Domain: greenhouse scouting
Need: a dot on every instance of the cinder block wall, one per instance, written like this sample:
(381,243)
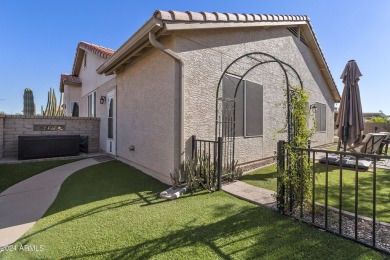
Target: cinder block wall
(14,126)
(380,127)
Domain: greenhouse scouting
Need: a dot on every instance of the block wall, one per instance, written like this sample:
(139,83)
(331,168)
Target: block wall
(12,126)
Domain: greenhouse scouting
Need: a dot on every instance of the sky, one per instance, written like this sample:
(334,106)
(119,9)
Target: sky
(38,38)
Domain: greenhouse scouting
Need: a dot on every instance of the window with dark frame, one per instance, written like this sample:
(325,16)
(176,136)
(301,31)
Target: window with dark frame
(110,118)
(248,110)
(74,109)
(320,117)
(85,59)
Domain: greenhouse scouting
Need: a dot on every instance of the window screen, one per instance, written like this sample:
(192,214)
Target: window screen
(320,117)
(253,109)
(229,87)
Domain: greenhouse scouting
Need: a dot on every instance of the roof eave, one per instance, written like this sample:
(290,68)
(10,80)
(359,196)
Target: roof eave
(319,56)
(78,59)
(139,39)
(108,67)
(69,83)
(154,24)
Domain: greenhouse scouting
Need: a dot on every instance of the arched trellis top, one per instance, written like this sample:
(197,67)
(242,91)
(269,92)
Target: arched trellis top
(257,59)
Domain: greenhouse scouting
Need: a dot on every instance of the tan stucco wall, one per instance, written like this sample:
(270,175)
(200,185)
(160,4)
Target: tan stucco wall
(148,95)
(91,80)
(102,110)
(89,77)
(206,53)
(147,113)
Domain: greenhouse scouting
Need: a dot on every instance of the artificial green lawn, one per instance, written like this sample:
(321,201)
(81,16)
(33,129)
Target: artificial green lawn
(111,211)
(11,174)
(266,178)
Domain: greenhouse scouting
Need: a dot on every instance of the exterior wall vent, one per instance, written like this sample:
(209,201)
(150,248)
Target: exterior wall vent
(294,30)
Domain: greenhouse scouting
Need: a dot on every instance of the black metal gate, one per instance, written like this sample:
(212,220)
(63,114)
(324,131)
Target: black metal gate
(207,155)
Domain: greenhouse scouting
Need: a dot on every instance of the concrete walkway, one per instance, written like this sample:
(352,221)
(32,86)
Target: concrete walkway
(25,203)
(252,194)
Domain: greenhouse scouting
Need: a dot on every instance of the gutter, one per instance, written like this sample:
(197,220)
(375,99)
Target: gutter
(156,44)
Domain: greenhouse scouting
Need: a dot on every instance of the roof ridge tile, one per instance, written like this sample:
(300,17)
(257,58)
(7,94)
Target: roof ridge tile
(209,16)
(221,17)
(191,16)
(195,16)
(231,17)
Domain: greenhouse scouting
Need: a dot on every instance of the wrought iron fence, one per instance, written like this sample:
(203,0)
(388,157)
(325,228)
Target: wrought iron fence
(346,199)
(208,157)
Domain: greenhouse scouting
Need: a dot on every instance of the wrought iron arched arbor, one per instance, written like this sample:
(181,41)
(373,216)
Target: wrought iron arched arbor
(225,120)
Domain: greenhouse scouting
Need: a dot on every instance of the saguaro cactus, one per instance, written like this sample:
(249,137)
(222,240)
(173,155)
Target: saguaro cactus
(28,103)
(51,107)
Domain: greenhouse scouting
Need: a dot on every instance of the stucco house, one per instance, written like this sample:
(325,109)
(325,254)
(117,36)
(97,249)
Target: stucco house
(83,88)
(162,85)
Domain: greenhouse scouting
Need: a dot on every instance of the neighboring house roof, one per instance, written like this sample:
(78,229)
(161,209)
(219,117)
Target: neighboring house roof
(100,51)
(73,79)
(162,22)
(69,80)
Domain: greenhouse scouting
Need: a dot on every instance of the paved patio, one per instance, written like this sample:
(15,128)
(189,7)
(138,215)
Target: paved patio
(252,194)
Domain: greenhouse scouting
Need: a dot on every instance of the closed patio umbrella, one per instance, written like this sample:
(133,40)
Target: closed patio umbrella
(350,121)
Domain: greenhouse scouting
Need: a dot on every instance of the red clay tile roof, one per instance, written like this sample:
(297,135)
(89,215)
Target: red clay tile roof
(208,19)
(101,51)
(69,80)
(223,17)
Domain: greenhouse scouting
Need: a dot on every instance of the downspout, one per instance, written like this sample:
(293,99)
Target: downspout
(156,44)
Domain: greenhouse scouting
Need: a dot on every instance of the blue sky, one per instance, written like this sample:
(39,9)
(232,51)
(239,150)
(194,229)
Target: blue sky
(39,38)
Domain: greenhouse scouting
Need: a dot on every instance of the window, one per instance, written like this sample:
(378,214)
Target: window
(74,108)
(249,106)
(85,59)
(92,105)
(320,117)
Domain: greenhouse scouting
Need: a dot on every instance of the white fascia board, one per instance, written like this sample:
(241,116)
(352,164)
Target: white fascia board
(206,25)
(316,49)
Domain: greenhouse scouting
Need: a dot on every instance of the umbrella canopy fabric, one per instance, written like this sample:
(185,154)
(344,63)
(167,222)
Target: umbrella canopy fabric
(350,121)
